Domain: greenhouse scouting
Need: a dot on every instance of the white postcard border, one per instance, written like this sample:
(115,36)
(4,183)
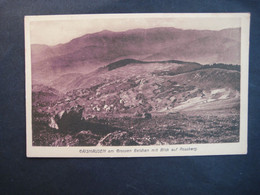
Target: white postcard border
(142,151)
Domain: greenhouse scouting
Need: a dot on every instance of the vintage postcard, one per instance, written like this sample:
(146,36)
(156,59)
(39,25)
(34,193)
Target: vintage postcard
(136,85)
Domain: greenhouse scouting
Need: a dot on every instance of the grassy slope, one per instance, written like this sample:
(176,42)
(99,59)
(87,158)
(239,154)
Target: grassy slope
(205,103)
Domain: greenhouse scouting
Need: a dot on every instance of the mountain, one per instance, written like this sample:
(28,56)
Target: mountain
(91,51)
(133,102)
(120,69)
(132,86)
(138,87)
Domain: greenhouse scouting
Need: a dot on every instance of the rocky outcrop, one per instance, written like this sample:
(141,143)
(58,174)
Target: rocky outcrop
(53,123)
(87,138)
(69,121)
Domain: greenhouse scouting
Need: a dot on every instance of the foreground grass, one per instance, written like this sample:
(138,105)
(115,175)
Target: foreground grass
(167,129)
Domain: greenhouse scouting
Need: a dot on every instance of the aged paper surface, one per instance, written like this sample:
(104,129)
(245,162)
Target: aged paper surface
(136,85)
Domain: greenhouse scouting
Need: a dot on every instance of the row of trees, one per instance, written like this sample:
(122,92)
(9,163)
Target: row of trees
(222,66)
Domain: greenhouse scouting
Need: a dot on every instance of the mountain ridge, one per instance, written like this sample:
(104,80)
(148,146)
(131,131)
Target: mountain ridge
(91,51)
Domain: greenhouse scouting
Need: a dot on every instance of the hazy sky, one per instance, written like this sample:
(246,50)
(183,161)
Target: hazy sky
(52,31)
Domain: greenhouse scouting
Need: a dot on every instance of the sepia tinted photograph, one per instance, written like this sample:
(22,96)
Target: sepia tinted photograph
(121,85)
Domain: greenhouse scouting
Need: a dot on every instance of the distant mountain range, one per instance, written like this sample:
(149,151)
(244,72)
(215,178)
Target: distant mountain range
(92,51)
